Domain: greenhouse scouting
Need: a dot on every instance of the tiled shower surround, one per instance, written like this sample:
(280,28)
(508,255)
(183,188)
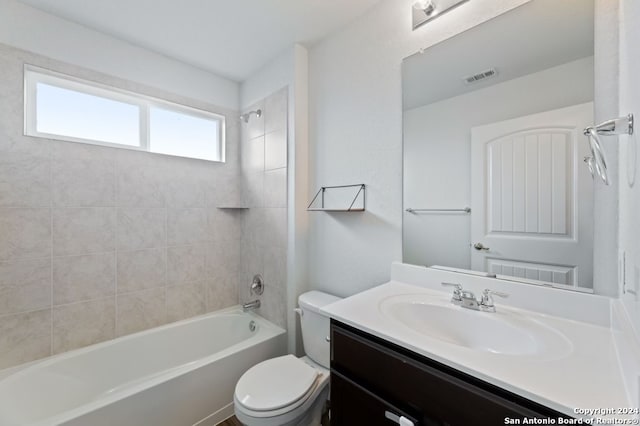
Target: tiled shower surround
(99,242)
(264,176)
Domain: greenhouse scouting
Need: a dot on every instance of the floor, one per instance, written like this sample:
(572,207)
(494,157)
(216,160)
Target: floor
(231,421)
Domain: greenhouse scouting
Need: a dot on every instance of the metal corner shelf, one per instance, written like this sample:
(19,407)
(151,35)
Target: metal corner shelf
(362,189)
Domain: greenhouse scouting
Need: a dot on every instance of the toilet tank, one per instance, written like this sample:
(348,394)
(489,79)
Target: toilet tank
(315,325)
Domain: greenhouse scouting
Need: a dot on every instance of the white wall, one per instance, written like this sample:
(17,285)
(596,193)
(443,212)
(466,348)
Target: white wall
(606,206)
(356,136)
(437,150)
(273,76)
(629,157)
(39,32)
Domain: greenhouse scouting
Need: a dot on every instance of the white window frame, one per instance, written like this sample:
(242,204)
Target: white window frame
(34,75)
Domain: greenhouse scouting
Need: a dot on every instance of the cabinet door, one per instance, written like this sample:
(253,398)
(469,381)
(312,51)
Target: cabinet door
(353,405)
(434,393)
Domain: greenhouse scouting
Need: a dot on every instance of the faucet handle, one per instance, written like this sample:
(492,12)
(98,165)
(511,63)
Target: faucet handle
(457,286)
(489,292)
(487,300)
(457,291)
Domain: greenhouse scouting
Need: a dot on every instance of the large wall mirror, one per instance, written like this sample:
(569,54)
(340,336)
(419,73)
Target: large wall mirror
(494,178)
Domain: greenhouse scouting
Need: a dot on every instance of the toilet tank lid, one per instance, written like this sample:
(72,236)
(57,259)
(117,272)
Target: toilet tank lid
(314,300)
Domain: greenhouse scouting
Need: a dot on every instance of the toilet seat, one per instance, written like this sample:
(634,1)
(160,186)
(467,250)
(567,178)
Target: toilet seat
(296,381)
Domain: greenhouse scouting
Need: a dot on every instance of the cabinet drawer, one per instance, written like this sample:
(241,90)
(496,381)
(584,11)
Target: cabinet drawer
(441,394)
(371,409)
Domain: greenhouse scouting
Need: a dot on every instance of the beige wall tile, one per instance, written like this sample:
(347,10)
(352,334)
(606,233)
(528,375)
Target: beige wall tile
(275,111)
(273,306)
(140,179)
(252,248)
(83,175)
(255,126)
(275,220)
(275,267)
(12,95)
(222,291)
(78,278)
(82,324)
(275,150)
(25,285)
(24,337)
(26,233)
(224,187)
(186,182)
(224,225)
(253,189)
(232,143)
(83,230)
(186,264)
(141,228)
(25,180)
(186,301)
(252,155)
(141,310)
(186,226)
(138,270)
(275,188)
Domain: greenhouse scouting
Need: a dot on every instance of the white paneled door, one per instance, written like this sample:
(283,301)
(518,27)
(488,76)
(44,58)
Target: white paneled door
(532,197)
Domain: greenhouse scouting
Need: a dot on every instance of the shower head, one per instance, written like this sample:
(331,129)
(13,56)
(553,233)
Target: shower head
(245,117)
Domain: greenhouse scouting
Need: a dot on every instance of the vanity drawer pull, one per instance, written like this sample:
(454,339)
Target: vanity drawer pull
(401,420)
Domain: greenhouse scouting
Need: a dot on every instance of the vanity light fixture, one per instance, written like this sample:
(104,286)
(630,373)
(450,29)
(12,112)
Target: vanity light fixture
(425,10)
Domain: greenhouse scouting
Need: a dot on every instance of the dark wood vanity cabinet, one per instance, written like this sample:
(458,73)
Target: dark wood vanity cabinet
(373,379)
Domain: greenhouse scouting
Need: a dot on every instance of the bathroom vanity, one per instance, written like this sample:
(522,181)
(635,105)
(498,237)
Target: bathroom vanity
(374,381)
(403,353)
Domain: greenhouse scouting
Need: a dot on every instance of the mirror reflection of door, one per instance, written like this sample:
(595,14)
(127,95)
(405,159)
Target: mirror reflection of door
(532,199)
(482,104)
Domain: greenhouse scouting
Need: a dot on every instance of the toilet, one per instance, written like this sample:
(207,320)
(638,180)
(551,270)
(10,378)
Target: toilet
(288,390)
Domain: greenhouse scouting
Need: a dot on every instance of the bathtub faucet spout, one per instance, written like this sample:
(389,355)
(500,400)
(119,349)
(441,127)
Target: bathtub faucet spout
(250,306)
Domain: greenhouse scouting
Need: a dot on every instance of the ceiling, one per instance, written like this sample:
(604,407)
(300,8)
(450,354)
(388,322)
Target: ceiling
(231,38)
(541,34)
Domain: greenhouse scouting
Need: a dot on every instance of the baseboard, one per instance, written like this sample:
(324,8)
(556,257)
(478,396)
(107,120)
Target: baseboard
(219,416)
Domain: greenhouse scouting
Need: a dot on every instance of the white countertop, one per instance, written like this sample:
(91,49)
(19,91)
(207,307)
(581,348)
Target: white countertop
(588,377)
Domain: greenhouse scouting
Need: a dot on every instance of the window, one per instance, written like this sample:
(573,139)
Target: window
(66,108)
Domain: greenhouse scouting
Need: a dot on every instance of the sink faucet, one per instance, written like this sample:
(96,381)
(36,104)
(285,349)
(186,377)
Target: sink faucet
(250,306)
(486,303)
(468,300)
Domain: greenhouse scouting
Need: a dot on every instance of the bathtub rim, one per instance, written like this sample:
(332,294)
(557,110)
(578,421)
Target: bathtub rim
(267,330)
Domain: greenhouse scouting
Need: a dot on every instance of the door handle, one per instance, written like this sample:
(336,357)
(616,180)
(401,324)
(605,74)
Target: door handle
(401,420)
(480,246)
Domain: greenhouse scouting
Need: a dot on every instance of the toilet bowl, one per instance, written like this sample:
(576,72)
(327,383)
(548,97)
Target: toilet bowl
(288,390)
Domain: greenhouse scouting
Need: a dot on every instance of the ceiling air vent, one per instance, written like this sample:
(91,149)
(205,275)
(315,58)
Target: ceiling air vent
(481,76)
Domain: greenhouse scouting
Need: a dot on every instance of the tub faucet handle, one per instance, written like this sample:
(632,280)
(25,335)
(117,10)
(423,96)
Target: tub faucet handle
(257,285)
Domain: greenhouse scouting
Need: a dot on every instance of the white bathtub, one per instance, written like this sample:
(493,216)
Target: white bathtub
(180,374)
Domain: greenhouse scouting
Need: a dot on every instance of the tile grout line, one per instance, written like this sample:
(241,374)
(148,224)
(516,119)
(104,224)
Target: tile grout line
(51,260)
(166,252)
(116,245)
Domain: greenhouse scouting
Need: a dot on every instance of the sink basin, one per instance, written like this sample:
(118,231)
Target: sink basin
(505,332)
